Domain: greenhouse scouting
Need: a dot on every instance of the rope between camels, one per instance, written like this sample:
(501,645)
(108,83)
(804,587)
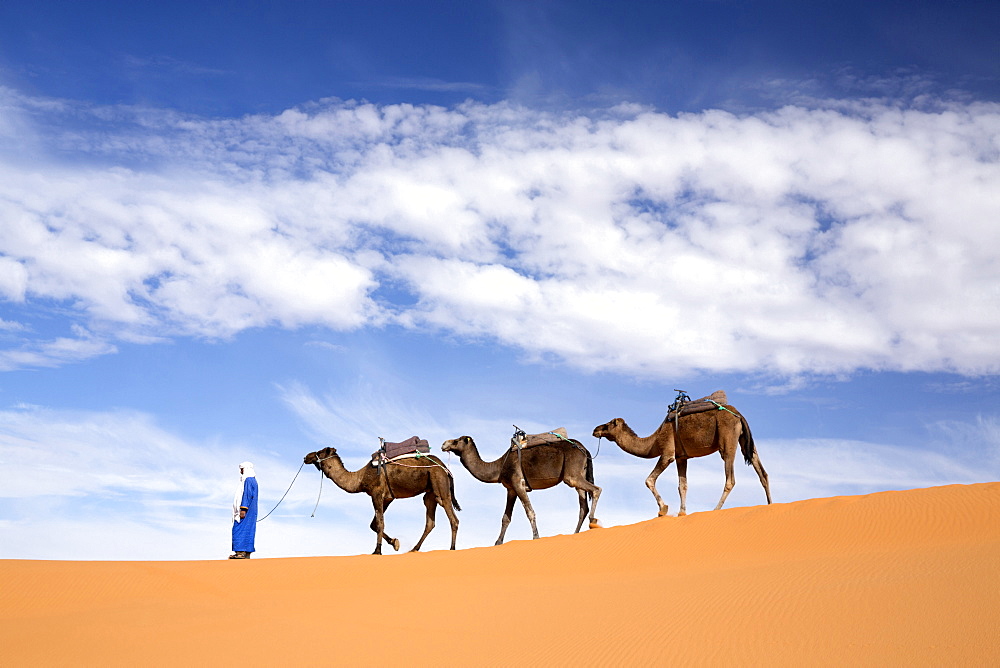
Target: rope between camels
(575,444)
(285,494)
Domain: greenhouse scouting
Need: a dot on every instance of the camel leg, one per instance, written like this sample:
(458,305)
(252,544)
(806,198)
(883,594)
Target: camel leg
(661,465)
(378,526)
(582,488)
(730,476)
(389,540)
(682,485)
(594,522)
(430,503)
(522,494)
(762,474)
(449,510)
(508,511)
(444,491)
(583,508)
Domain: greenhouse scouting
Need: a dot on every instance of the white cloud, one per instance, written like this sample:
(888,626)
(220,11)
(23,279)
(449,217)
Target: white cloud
(431,84)
(63,350)
(53,453)
(798,240)
(13,279)
(353,420)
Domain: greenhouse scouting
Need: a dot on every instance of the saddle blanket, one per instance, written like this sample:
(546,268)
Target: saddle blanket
(412,444)
(553,436)
(709,403)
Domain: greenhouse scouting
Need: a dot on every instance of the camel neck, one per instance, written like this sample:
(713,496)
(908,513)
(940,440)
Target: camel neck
(334,469)
(481,470)
(646,446)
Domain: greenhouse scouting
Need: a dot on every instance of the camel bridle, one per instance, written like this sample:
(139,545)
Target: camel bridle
(321,476)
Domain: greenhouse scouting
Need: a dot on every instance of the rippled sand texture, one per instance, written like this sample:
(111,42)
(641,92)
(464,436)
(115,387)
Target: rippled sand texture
(896,578)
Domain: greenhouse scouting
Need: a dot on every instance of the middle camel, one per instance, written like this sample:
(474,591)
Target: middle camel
(543,466)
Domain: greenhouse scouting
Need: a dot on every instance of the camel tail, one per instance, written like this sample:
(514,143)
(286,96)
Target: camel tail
(454,499)
(746,441)
(590,473)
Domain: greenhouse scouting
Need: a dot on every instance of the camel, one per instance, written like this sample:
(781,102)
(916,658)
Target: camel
(541,467)
(696,435)
(395,480)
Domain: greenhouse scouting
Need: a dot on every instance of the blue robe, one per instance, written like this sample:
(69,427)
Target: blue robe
(246,528)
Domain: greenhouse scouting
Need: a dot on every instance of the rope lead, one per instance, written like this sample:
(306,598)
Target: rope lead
(285,494)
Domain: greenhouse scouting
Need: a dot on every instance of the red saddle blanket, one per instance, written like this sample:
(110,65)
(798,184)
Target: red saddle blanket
(412,444)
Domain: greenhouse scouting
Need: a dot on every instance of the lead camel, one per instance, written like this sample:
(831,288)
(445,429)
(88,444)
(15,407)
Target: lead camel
(724,431)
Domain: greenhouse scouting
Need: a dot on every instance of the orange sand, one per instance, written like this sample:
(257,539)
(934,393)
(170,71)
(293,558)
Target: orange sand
(896,578)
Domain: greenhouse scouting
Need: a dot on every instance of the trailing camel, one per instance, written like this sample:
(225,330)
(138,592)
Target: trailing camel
(695,435)
(395,480)
(543,466)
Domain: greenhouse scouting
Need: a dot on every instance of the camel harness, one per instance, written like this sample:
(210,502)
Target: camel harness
(519,441)
(413,447)
(684,405)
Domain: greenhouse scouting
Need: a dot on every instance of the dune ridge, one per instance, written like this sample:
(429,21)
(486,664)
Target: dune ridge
(891,578)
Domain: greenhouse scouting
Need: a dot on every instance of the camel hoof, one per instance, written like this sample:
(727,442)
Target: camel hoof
(662,513)
(596,524)
(395,544)
(682,513)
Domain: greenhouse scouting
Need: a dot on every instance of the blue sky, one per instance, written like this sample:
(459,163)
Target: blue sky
(234,232)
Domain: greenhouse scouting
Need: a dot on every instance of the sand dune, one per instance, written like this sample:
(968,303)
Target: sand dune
(895,578)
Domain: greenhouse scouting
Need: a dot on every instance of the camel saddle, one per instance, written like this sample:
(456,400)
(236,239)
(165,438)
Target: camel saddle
(684,406)
(553,436)
(409,446)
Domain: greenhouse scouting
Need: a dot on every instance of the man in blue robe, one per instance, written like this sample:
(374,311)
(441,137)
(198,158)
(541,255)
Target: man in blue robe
(245,513)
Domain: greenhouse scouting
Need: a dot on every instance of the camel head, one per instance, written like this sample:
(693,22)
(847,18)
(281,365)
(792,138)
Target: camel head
(317,457)
(610,430)
(458,445)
